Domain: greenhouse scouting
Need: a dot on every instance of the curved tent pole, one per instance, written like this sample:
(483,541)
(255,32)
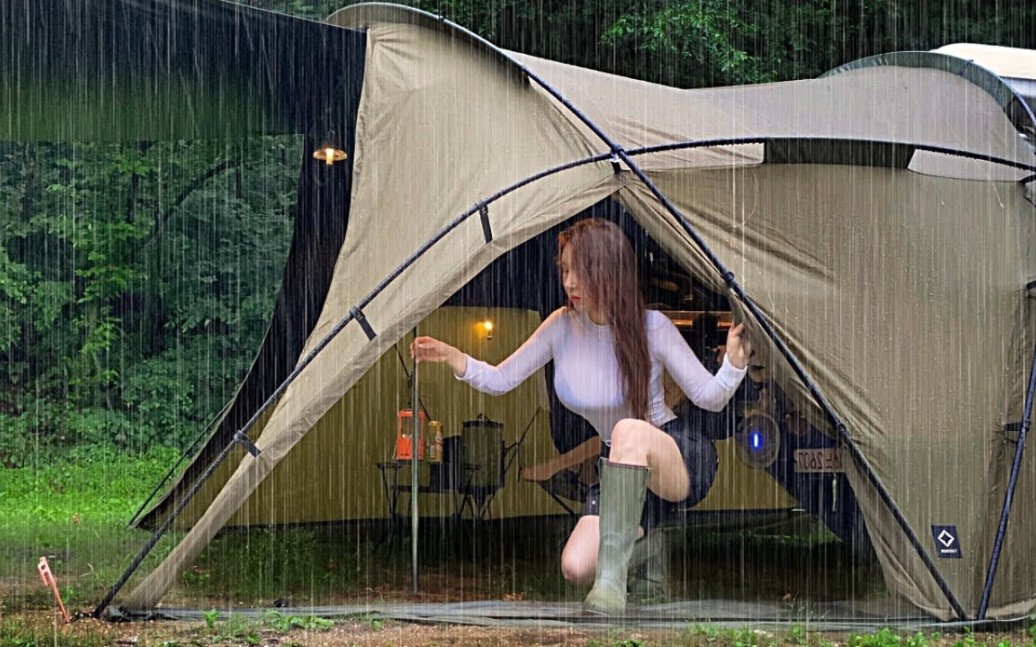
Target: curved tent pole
(1012,482)
(356,313)
(728,277)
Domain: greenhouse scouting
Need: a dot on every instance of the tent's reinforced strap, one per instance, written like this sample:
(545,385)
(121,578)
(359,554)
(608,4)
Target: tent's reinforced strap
(614,159)
(241,439)
(483,214)
(357,314)
(767,328)
(1012,482)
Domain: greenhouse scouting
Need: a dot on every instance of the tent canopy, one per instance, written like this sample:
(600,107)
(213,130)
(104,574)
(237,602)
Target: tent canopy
(878,242)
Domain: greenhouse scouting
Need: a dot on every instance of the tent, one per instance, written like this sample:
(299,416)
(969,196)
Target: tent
(878,242)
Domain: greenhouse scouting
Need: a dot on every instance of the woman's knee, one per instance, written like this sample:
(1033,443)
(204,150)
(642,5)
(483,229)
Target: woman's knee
(577,568)
(627,438)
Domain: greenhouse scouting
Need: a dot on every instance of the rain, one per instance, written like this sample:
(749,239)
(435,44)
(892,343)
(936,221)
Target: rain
(517,323)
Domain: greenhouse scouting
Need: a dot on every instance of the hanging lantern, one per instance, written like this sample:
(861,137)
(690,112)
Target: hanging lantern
(328,151)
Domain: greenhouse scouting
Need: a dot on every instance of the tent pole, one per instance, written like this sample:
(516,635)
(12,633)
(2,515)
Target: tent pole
(1012,482)
(415,442)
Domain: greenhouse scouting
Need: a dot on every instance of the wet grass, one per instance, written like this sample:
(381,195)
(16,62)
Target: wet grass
(74,512)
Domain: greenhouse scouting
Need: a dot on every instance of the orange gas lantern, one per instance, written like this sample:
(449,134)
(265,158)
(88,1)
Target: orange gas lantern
(405,435)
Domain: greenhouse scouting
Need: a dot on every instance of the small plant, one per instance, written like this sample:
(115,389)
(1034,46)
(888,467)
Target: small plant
(211,617)
(709,632)
(376,623)
(798,635)
(236,630)
(284,623)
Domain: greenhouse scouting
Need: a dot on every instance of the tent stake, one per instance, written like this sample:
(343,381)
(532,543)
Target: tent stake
(1005,511)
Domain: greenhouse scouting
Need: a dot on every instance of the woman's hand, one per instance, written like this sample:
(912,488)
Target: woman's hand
(739,347)
(429,349)
(538,472)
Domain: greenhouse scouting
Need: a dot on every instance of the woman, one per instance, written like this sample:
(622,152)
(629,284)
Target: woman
(609,353)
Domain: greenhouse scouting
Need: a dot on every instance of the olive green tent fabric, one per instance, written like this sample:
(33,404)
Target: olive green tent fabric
(898,284)
(888,301)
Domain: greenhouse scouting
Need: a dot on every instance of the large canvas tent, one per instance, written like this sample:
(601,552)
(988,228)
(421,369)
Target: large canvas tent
(875,228)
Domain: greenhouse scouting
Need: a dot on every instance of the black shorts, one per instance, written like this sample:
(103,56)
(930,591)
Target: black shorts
(699,456)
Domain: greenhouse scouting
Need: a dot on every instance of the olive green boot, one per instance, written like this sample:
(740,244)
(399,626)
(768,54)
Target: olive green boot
(622,501)
(649,569)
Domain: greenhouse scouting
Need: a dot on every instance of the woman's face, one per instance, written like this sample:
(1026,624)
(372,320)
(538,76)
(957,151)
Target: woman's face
(575,289)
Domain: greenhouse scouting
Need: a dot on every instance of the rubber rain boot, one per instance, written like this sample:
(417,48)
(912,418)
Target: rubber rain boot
(622,501)
(649,569)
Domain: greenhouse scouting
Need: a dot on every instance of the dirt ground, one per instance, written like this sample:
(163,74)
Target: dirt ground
(46,628)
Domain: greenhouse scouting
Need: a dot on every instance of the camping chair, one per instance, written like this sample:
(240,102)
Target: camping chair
(477,491)
(569,476)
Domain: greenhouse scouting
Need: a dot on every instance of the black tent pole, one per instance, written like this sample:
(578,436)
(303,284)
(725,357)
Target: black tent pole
(728,277)
(1012,482)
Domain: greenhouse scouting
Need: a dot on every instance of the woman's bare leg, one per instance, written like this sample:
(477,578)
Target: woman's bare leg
(579,557)
(635,442)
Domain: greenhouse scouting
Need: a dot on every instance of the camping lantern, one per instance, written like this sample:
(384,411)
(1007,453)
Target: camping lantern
(328,152)
(405,433)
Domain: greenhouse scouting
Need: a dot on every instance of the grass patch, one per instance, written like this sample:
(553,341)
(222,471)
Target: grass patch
(74,511)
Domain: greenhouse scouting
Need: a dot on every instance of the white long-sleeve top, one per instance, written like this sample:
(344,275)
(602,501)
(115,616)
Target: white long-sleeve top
(586,372)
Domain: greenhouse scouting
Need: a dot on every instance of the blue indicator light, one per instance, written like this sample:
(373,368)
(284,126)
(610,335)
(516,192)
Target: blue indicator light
(755,440)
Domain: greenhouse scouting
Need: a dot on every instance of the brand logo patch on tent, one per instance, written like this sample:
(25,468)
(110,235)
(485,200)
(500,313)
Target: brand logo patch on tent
(946,542)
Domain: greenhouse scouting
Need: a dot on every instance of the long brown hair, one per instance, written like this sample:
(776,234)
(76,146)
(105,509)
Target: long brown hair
(607,270)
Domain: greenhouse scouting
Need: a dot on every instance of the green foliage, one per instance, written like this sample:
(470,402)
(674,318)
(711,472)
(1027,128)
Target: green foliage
(284,623)
(134,279)
(890,638)
(236,629)
(90,484)
(211,618)
(710,32)
(16,634)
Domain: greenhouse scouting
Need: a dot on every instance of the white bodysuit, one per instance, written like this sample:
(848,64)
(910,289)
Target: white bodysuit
(586,372)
